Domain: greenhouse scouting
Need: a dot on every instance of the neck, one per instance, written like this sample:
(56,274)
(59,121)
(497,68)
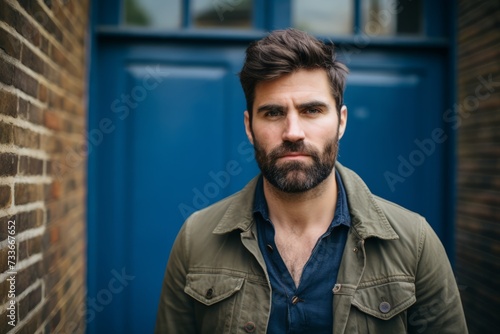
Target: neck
(300,212)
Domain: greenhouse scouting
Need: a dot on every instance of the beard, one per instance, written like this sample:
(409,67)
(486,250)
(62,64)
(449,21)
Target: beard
(297,176)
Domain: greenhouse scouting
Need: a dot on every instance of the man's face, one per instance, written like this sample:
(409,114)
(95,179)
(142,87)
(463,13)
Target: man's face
(295,130)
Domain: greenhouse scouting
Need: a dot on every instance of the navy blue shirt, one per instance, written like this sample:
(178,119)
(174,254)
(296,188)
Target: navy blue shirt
(307,308)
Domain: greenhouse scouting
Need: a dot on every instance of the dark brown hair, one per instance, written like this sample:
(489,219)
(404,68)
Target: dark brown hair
(286,51)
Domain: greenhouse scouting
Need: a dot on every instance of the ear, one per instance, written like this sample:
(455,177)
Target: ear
(248,128)
(342,121)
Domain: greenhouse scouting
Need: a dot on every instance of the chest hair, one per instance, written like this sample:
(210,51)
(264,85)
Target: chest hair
(295,252)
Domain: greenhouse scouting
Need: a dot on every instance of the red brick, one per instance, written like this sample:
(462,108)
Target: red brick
(24,27)
(58,169)
(29,302)
(30,112)
(28,220)
(58,56)
(28,276)
(27,193)
(10,44)
(56,319)
(36,115)
(25,82)
(48,3)
(52,145)
(478,184)
(52,120)
(61,109)
(8,14)
(32,60)
(55,190)
(50,302)
(8,164)
(30,166)
(33,324)
(54,76)
(8,102)
(26,138)
(5,196)
(42,93)
(44,45)
(7,72)
(39,14)
(55,100)
(23,109)
(4,291)
(29,247)
(6,133)
(54,235)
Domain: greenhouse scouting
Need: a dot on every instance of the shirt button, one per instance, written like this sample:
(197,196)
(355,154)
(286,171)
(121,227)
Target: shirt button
(249,327)
(269,248)
(355,249)
(384,307)
(337,287)
(209,294)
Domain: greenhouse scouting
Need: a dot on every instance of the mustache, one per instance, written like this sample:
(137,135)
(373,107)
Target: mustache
(292,147)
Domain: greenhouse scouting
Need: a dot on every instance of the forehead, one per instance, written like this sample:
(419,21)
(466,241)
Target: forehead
(296,87)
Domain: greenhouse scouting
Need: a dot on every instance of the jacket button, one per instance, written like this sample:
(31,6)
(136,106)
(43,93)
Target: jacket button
(384,307)
(209,294)
(269,248)
(249,327)
(337,287)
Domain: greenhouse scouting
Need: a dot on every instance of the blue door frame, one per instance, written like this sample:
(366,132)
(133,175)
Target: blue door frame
(139,193)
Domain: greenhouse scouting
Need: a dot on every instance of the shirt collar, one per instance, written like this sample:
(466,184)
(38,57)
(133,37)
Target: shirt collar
(341,215)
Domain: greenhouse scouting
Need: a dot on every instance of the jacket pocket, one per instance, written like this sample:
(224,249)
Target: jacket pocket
(384,301)
(381,308)
(212,288)
(217,300)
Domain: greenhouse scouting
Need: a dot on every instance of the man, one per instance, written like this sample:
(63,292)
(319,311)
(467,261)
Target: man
(305,247)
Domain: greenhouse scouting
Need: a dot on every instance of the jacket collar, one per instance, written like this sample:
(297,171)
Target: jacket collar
(368,220)
(238,215)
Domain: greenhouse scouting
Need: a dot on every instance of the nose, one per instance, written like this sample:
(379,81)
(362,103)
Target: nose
(293,131)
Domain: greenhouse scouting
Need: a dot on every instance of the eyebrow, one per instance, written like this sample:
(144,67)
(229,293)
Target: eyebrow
(305,105)
(270,107)
(312,104)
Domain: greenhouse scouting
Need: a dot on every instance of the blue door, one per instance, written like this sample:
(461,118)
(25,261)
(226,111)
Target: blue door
(166,133)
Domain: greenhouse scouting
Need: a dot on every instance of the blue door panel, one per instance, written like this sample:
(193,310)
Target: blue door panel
(377,119)
(392,116)
(171,133)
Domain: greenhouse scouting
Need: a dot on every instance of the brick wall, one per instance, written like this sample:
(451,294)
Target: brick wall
(478,207)
(42,165)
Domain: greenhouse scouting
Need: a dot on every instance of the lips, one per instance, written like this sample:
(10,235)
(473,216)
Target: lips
(294,154)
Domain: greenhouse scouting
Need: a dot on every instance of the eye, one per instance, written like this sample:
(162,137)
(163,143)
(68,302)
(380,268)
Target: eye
(312,111)
(273,113)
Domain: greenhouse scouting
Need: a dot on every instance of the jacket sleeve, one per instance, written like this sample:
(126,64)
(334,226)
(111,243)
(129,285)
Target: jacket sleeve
(438,308)
(176,308)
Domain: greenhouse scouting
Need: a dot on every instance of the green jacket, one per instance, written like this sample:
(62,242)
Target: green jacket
(394,276)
